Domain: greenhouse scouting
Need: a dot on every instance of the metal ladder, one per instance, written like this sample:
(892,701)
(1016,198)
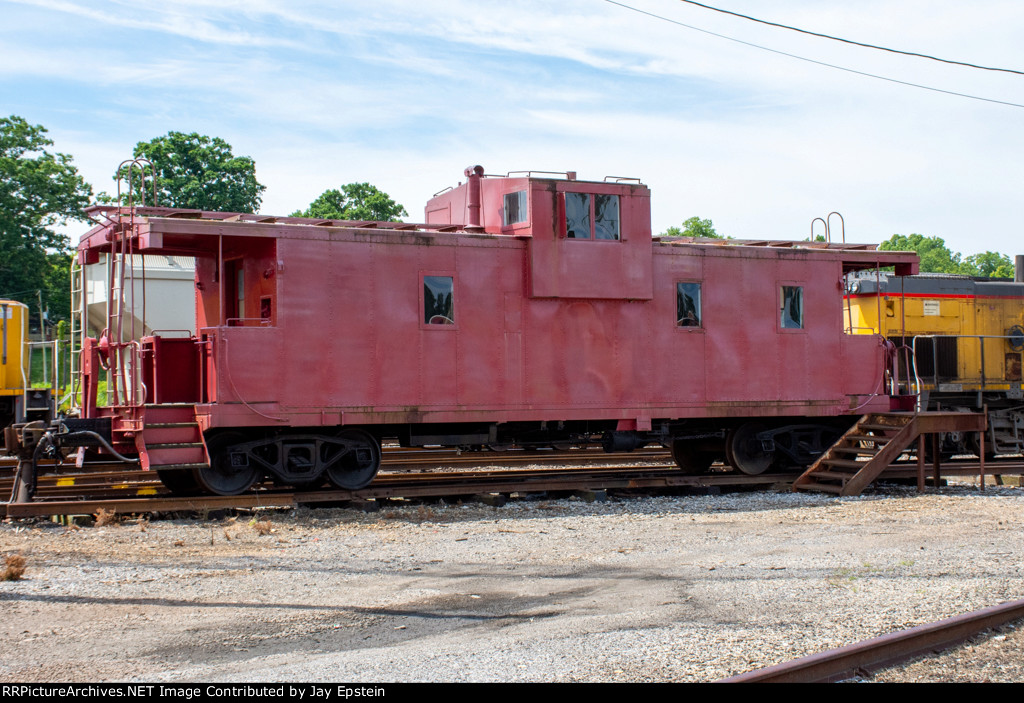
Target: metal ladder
(79,315)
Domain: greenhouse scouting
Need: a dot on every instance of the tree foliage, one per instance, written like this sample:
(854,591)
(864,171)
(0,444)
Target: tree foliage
(694,227)
(198,172)
(989,264)
(936,257)
(355,201)
(39,190)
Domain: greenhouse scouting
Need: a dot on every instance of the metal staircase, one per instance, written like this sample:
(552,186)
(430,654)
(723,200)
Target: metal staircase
(875,441)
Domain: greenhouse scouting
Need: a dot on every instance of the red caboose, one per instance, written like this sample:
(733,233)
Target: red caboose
(529,309)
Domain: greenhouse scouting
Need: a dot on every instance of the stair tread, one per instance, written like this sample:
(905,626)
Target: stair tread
(827,487)
(848,463)
(868,438)
(838,475)
(867,451)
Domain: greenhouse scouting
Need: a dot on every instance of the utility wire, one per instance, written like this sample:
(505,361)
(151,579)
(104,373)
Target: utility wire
(850,41)
(819,63)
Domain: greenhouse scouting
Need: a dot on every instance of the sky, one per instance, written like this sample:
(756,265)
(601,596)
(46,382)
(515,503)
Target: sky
(407,94)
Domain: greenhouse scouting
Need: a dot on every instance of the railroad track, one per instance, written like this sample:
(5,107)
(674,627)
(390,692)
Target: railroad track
(67,490)
(886,651)
(409,458)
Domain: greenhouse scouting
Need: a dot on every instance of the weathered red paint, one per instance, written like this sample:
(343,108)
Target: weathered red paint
(330,327)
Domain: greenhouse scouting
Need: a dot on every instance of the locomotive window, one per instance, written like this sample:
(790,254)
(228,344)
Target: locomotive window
(515,208)
(792,314)
(606,217)
(438,300)
(688,304)
(577,216)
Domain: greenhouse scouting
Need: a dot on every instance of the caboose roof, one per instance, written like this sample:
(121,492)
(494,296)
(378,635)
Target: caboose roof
(189,232)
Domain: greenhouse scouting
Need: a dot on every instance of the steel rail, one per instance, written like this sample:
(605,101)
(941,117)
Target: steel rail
(141,491)
(400,457)
(386,486)
(885,651)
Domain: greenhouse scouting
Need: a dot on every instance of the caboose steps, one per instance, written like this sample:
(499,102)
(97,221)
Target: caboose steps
(171,438)
(873,443)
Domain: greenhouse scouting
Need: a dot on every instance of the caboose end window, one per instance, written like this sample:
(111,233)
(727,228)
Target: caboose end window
(688,305)
(439,300)
(792,314)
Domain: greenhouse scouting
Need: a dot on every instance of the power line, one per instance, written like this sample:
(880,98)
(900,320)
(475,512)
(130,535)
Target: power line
(814,61)
(850,41)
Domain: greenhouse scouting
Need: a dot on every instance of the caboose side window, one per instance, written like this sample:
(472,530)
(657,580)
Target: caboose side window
(439,300)
(792,313)
(688,305)
(515,208)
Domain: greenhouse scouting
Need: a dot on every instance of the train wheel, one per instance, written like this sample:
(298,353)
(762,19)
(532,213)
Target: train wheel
(359,465)
(744,452)
(180,482)
(690,460)
(220,477)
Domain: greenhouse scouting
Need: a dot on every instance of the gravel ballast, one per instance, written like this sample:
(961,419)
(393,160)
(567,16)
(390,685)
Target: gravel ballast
(690,588)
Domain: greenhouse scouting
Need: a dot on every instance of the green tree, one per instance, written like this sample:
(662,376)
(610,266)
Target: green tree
(355,201)
(989,264)
(934,254)
(936,257)
(39,190)
(199,172)
(694,227)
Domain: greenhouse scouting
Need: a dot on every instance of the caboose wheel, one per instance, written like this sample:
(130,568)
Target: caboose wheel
(690,460)
(359,464)
(221,476)
(744,451)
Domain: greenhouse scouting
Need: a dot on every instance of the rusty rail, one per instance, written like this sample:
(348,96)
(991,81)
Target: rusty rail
(885,651)
(150,496)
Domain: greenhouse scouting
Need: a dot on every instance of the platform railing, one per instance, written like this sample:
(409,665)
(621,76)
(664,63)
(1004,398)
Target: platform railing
(985,374)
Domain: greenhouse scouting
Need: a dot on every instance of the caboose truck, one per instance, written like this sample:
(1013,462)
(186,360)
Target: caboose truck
(529,309)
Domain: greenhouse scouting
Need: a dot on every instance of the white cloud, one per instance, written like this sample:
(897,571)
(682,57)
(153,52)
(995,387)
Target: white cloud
(405,94)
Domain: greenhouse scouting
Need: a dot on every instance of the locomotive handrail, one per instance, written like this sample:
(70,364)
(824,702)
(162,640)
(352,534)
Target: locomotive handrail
(981,350)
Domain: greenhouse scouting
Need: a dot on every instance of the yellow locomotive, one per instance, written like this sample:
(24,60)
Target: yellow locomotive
(959,344)
(19,401)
